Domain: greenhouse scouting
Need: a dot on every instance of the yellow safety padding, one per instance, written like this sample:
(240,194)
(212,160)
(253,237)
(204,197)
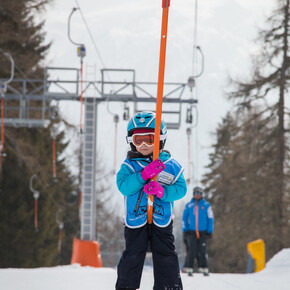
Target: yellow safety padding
(257,250)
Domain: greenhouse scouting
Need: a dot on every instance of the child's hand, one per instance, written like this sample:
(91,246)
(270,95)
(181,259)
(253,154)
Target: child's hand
(152,169)
(154,188)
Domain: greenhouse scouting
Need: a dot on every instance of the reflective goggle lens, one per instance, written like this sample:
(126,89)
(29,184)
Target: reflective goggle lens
(139,139)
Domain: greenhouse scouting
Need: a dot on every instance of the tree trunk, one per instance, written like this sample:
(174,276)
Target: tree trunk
(281,133)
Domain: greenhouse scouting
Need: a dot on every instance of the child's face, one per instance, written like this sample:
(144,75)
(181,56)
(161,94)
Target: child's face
(197,196)
(145,150)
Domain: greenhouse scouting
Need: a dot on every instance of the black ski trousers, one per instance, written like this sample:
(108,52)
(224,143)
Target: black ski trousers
(165,260)
(196,249)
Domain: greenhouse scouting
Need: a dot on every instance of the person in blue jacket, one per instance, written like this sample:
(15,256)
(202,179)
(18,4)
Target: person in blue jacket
(197,227)
(134,182)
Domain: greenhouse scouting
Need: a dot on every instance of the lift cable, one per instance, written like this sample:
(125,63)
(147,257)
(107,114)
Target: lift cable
(81,53)
(90,34)
(115,116)
(196,74)
(192,84)
(195,50)
(92,39)
(194,38)
(188,132)
(116,121)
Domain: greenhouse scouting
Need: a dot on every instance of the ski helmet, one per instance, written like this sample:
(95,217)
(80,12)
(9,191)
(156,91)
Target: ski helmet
(198,190)
(145,121)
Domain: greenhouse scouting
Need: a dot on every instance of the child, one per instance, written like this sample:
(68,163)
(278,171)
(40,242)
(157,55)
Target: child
(133,181)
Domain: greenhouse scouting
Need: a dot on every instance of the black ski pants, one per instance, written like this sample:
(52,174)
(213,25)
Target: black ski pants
(165,260)
(196,249)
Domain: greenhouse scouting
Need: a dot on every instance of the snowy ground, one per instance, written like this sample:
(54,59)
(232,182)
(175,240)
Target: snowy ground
(276,276)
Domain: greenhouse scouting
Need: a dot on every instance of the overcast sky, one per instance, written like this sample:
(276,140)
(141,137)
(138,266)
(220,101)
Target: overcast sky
(127,35)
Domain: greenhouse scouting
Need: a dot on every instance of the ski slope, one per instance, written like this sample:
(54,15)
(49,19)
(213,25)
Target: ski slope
(276,276)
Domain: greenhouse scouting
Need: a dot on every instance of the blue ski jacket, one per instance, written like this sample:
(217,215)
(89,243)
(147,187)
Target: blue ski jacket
(204,211)
(130,183)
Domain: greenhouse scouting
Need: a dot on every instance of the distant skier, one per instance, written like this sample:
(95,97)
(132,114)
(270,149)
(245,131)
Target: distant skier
(133,181)
(197,226)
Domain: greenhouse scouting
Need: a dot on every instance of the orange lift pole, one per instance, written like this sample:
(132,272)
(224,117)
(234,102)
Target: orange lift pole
(165,11)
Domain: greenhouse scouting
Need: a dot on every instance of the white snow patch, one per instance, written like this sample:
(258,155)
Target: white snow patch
(74,277)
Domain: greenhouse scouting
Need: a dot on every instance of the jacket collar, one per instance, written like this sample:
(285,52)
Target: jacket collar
(198,201)
(132,155)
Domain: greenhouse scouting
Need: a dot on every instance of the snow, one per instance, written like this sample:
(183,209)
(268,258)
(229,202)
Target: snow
(276,276)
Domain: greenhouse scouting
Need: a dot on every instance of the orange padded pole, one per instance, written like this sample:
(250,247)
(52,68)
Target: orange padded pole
(86,253)
(165,8)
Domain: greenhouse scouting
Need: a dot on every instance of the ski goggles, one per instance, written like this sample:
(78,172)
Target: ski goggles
(197,192)
(139,139)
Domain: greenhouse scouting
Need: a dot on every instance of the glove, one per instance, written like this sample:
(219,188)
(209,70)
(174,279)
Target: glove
(152,169)
(209,235)
(154,188)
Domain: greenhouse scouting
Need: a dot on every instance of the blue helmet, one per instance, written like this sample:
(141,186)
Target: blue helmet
(146,120)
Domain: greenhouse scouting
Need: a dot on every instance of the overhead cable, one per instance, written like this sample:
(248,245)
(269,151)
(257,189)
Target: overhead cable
(90,34)
(194,38)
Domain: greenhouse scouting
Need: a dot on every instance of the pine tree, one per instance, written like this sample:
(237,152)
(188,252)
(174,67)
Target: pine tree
(29,152)
(240,184)
(268,87)
(22,37)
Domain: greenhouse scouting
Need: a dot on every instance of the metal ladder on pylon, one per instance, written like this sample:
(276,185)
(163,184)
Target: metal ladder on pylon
(88,209)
